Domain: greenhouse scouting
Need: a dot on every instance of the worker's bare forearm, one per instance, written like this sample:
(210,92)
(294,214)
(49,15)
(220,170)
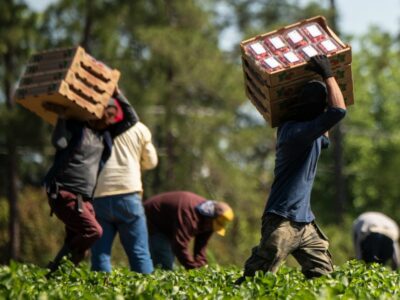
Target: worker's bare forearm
(335,96)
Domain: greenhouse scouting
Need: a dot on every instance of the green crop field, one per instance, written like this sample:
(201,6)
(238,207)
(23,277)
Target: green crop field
(353,280)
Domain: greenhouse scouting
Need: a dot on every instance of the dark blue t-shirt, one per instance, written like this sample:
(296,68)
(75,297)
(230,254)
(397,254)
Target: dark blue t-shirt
(298,148)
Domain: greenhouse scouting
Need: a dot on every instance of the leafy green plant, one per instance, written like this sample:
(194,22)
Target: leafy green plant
(352,280)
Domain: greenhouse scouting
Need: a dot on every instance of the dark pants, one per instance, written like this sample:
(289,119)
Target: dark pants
(377,248)
(82,228)
(281,237)
(161,251)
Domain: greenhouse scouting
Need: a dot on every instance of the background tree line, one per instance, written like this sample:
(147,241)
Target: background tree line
(190,93)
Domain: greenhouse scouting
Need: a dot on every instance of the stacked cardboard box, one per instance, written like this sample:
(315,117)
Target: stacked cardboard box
(70,78)
(274,66)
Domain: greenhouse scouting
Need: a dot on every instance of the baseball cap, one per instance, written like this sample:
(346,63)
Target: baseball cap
(119,116)
(224,217)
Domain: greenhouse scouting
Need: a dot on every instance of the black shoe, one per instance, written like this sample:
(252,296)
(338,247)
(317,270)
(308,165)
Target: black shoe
(240,280)
(52,266)
(55,264)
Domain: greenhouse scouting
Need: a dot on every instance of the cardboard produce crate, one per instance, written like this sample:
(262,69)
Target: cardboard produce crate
(68,77)
(276,113)
(275,93)
(278,104)
(266,88)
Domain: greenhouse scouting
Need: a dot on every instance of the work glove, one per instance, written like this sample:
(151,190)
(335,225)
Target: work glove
(321,65)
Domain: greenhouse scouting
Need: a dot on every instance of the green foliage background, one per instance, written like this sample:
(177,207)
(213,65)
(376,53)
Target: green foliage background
(190,93)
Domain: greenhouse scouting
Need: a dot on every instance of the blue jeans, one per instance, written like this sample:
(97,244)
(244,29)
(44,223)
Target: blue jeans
(123,214)
(161,251)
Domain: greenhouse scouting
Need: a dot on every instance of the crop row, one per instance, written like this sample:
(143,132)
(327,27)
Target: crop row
(353,280)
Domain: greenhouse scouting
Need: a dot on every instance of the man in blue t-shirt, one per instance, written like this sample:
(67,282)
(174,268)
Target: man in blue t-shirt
(288,225)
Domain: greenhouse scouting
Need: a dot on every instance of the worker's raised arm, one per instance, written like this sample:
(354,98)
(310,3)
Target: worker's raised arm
(321,65)
(335,96)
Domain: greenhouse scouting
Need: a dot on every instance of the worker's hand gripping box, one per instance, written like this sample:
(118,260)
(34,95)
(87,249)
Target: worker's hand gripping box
(69,78)
(275,66)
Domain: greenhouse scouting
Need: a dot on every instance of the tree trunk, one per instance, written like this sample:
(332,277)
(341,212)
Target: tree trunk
(87,30)
(12,190)
(8,66)
(169,136)
(11,168)
(334,16)
(169,114)
(337,138)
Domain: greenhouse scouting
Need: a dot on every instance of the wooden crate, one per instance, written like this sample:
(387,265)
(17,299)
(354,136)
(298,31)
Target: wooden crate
(69,77)
(79,105)
(291,89)
(266,89)
(278,104)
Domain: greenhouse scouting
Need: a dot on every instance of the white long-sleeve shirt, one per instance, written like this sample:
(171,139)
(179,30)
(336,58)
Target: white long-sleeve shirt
(375,222)
(132,152)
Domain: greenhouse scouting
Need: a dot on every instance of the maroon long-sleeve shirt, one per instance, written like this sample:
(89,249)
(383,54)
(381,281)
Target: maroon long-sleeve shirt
(174,214)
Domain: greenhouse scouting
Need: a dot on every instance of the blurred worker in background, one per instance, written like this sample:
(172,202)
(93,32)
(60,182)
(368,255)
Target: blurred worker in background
(288,225)
(376,239)
(118,196)
(175,218)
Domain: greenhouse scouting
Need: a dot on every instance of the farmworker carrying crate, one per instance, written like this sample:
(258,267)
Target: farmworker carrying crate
(288,225)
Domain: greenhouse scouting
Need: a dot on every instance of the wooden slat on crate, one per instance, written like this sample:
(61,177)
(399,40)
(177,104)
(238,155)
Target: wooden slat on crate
(79,105)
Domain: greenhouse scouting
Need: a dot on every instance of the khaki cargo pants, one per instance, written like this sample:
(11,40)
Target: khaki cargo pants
(281,237)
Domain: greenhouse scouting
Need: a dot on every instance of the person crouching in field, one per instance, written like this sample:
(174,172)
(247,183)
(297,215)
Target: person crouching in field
(288,225)
(81,148)
(376,239)
(175,218)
